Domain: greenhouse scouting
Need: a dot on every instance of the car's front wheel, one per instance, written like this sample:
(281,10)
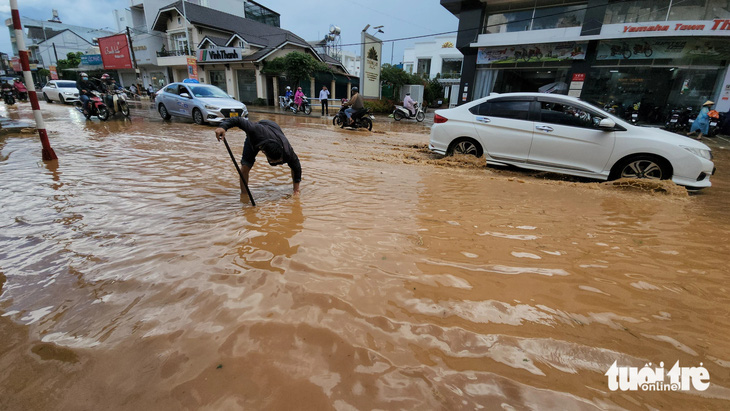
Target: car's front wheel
(45,97)
(465,146)
(163,112)
(642,166)
(198,117)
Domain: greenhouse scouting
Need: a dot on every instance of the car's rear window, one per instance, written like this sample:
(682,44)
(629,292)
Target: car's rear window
(514,109)
(67,84)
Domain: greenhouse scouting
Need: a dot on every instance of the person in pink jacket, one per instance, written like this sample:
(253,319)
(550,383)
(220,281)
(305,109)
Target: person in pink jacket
(298,98)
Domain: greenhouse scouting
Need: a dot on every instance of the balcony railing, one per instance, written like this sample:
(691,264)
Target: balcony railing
(173,53)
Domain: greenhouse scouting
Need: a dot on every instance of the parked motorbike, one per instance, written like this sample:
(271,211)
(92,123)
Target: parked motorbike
(364,120)
(401,112)
(22,95)
(96,107)
(632,113)
(679,120)
(9,97)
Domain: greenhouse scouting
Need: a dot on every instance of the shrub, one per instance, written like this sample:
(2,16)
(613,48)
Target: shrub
(380,106)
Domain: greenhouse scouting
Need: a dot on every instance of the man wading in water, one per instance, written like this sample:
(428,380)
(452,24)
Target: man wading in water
(265,136)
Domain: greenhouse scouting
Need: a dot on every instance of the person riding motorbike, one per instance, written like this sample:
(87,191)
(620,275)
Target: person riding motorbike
(20,89)
(356,106)
(110,86)
(409,103)
(288,97)
(86,87)
(5,88)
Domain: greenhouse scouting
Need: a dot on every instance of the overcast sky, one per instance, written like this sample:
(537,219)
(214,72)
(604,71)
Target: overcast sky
(308,19)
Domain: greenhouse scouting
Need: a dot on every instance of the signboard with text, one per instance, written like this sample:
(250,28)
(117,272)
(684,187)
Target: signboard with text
(91,60)
(115,52)
(663,48)
(54,73)
(15,62)
(192,68)
(219,55)
(371,52)
(717,27)
(568,50)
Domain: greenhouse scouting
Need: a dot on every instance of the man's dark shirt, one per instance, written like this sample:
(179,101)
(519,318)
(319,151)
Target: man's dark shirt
(257,133)
(86,85)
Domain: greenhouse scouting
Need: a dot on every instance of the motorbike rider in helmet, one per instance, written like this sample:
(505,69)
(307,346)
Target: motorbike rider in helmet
(110,86)
(85,87)
(356,106)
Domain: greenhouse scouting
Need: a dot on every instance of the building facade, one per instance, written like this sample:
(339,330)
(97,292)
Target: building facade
(438,56)
(230,52)
(660,54)
(48,41)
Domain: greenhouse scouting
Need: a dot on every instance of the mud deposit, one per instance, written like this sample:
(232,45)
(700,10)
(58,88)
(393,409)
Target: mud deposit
(134,276)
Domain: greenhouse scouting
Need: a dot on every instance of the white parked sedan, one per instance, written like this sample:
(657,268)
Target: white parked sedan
(63,91)
(566,135)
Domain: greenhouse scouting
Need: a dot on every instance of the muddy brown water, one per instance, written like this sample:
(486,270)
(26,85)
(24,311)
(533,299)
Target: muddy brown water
(134,276)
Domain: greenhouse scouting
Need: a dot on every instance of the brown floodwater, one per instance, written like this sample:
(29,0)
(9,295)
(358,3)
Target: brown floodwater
(133,275)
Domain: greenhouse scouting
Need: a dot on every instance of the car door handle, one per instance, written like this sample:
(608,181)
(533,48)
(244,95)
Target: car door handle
(483,120)
(544,128)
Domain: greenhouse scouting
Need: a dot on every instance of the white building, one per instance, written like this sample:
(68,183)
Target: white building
(436,56)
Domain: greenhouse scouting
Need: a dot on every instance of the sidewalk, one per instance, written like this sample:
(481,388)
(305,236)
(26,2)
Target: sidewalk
(15,126)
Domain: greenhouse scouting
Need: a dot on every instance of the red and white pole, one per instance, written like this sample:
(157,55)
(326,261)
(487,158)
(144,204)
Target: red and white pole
(48,153)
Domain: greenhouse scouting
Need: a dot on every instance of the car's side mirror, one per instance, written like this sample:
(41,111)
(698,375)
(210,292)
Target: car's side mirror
(607,124)
(186,95)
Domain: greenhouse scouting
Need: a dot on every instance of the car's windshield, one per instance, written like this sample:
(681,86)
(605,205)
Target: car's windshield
(208,92)
(68,84)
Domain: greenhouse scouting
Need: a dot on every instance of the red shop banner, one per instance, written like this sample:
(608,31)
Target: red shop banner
(115,52)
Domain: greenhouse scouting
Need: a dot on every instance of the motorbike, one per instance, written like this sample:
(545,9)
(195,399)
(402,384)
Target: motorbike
(679,120)
(401,112)
(632,113)
(9,97)
(117,102)
(306,106)
(364,120)
(96,107)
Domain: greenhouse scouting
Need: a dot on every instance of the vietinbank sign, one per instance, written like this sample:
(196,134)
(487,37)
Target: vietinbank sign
(717,27)
(218,55)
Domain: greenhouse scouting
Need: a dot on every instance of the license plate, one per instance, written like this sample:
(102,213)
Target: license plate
(634,115)
(674,120)
(233,114)
(713,123)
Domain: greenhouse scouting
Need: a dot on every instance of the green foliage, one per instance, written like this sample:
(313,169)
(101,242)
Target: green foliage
(72,60)
(380,106)
(433,91)
(43,73)
(397,77)
(295,66)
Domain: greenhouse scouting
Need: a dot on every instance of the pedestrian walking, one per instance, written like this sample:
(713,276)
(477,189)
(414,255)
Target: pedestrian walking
(324,94)
(702,122)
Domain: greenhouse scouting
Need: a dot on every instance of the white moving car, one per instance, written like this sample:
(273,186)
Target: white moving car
(565,135)
(63,91)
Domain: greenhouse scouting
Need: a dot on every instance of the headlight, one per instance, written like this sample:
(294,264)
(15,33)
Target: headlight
(211,107)
(699,152)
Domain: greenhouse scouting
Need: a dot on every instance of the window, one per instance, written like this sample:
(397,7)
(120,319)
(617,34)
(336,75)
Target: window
(514,109)
(179,42)
(424,67)
(171,89)
(409,68)
(567,115)
(509,22)
(451,68)
(182,89)
(558,17)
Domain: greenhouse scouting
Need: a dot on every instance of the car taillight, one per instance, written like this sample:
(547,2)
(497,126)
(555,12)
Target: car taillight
(439,119)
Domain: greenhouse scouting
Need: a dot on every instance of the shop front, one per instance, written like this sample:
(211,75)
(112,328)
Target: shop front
(616,54)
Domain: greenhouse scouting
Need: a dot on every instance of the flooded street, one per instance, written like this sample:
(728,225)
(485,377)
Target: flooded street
(133,275)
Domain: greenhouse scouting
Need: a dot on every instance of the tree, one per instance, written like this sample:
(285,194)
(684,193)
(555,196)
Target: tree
(72,60)
(397,77)
(433,91)
(295,66)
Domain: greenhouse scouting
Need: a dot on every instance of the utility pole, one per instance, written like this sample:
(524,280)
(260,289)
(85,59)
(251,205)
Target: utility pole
(54,52)
(187,35)
(131,48)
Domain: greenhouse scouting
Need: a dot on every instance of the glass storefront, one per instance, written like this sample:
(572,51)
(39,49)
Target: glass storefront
(656,90)
(246,80)
(536,19)
(218,79)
